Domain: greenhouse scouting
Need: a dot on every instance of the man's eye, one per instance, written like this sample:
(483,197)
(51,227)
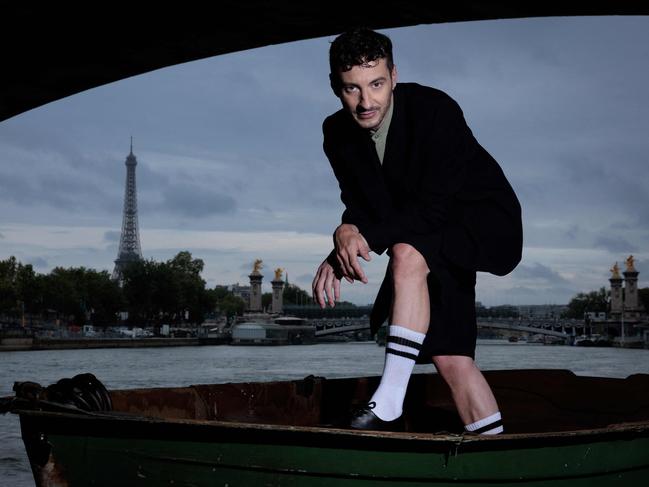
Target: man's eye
(378,84)
(349,89)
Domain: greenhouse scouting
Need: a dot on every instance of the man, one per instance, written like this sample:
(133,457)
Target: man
(415,182)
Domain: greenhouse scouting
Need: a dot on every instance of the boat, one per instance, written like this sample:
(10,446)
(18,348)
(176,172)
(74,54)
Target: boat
(593,341)
(561,430)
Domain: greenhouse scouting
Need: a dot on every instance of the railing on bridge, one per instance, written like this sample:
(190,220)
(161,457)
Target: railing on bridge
(557,328)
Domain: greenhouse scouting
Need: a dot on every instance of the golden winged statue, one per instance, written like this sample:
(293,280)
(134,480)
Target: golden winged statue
(629,264)
(257,265)
(278,274)
(616,272)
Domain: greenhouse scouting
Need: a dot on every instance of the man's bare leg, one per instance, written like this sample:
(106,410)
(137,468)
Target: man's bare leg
(411,309)
(406,334)
(471,393)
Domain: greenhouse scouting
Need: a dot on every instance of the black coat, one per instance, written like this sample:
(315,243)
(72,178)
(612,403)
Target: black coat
(436,179)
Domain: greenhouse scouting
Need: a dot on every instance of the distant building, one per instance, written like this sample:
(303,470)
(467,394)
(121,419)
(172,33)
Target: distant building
(541,311)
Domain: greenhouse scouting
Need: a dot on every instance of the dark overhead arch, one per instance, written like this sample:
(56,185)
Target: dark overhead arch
(55,49)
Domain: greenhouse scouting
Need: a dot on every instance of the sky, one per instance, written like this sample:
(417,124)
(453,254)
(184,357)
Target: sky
(231,168)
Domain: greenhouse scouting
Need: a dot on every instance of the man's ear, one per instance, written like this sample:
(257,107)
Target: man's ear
(334,82)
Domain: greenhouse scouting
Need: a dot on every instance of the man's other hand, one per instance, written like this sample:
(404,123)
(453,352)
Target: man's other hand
(349,245)
(326,282)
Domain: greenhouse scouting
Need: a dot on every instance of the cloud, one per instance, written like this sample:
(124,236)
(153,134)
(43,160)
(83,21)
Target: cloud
(530,295)
(572,232)
(38,262)
(614,244)
(196,202)
(538,272)
(305,279)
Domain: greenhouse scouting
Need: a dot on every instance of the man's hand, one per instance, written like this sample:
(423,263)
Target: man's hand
(326,282)
(349,245)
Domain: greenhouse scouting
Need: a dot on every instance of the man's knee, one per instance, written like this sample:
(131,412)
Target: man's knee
(407,263)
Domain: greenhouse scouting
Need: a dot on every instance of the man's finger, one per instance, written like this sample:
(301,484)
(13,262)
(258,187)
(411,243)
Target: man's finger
(358,270)
(328,289)
(319,291)
(365,253)
(337,289)
(315,283)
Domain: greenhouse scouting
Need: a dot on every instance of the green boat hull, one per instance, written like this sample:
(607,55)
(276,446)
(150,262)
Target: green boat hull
(106,462)
(129,452)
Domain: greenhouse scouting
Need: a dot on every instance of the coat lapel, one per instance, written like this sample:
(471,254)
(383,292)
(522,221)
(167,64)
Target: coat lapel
(396,158)
(396,134)
(366,169)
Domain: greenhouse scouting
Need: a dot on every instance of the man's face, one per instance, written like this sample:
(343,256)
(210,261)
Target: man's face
(366,92)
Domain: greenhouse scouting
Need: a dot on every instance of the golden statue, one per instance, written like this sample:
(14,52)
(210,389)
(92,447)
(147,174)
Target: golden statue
(257,265)
(629,264)
(616,272)
(278,274)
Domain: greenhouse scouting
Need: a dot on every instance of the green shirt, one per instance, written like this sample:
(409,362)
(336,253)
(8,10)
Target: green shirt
(380,135)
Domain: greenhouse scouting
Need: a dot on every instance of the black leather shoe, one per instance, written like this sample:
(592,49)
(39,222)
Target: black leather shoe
(363,418)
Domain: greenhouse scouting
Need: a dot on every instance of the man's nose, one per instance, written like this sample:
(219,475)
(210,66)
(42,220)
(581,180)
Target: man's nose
(365,101)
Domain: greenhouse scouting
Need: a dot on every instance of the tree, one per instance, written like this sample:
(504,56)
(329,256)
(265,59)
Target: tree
(79,295)
(594,301)
(231,305)
(294,295)
(167,292)
(8,289)
(103,297)
(138,288)
(193,298)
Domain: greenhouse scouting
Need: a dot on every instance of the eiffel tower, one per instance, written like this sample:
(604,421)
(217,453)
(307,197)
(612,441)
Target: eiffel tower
(129,242)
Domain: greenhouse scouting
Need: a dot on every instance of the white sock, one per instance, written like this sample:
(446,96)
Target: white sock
(491,425)
(401,351)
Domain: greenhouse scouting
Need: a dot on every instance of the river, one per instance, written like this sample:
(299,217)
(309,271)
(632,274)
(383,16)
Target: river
(181,366)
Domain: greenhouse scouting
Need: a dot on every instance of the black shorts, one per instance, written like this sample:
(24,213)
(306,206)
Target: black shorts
(451,289)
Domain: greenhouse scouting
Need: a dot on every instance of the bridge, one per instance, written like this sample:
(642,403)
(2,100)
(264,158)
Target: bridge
(334,326)
(536,330)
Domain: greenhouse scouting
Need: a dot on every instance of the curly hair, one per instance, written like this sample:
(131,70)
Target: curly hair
(358,47)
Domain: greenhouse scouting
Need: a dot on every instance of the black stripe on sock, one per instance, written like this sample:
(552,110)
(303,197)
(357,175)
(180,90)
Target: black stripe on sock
(404,341)
(411,356)
(490,426)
